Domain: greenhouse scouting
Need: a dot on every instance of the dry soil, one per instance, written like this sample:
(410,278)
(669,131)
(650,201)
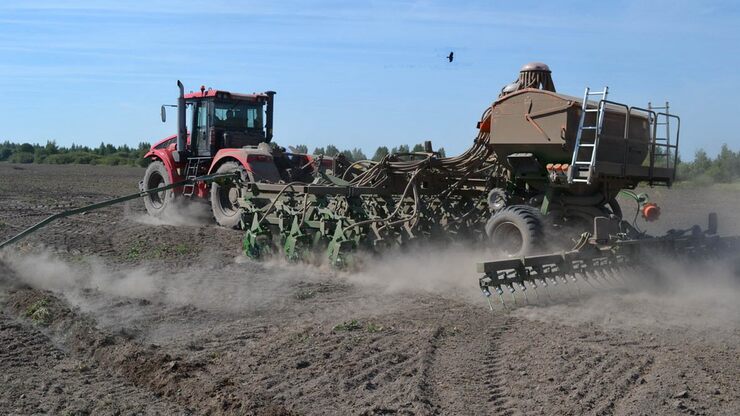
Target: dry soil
(112,312)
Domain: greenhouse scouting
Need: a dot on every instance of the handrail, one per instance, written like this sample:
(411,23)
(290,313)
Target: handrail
(652,121)
(678,132)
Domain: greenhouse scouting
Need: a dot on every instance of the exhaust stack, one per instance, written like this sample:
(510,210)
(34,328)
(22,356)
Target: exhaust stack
(268,114)
(182,129)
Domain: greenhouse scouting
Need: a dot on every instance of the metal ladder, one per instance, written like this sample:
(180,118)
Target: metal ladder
(191,172)
(577,165)
(661,143)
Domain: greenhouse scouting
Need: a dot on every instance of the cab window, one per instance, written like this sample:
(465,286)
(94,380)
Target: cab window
(238,116)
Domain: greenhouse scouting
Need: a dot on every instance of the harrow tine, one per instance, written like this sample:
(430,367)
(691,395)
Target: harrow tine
(560,286)
(490,305)
(603,276)
(593,277)
(617,274)
(599,273)
(575,283)
(547,289)
(523,288)
(575,293)
(586,279)
(566,287)
(485,288)
(500,294)
(534,287)
(513,295)
(600,278)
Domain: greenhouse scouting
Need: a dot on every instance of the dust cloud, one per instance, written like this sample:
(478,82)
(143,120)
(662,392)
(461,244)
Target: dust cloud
(91,284)
(45,271)
(442,270)
(183,213)
(672,295)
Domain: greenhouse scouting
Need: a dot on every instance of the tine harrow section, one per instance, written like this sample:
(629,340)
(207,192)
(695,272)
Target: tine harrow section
(595,266)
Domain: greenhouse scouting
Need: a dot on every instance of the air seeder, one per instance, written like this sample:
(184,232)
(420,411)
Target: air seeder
(543,167)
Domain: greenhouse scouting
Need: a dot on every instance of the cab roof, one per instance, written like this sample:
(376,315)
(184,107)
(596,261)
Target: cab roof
(209,93)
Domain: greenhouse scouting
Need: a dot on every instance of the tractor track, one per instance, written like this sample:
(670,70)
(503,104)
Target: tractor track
(499,395)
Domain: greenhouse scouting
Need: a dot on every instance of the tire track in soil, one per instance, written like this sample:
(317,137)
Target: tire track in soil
(425,388)
(495,367)
(465,373)
(39,376)
(181,381)
(625,382)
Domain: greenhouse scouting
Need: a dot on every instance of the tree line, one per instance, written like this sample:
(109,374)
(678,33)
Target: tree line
(724,167)
(356,154)
(105,154)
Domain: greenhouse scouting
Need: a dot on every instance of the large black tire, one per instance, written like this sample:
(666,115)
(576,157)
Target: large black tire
(224,204)
(156,176)
(515,231)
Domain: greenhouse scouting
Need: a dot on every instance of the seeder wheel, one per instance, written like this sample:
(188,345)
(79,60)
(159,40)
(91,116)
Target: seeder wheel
(515,230)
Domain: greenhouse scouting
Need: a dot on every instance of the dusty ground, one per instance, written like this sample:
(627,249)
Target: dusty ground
(113,313)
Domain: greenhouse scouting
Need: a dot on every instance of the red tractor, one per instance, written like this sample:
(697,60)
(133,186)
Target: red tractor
(228,132)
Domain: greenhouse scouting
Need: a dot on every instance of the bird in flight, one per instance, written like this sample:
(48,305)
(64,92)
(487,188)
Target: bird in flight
(451,56)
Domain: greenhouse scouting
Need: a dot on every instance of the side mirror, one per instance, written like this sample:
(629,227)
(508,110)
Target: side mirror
(163,114)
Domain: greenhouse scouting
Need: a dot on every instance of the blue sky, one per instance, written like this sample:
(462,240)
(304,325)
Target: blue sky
(357,74)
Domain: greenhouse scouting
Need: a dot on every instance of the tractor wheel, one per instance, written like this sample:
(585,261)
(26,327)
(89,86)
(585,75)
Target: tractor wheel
(515,231)
(156,176)
(224,203)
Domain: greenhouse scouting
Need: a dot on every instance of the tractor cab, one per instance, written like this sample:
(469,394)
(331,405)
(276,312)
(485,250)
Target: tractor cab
(220,132)
(224,120)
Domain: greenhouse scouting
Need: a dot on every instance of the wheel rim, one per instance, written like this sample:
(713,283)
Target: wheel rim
(508,238)
(227,197)
(156,181)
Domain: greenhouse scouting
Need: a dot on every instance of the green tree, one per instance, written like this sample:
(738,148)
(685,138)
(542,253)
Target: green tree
(404,148)
(358,154)
(701,162)
(51,147)
(380,153)
(331,150)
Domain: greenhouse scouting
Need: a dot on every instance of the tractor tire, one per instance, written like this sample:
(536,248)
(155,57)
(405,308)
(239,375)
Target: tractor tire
(156,176)
(515,231)
(224,204)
